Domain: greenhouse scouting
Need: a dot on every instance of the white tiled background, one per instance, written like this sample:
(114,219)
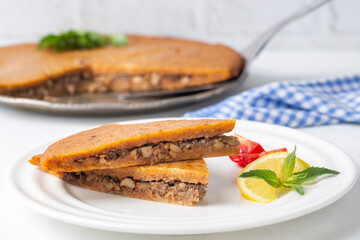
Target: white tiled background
(234,22)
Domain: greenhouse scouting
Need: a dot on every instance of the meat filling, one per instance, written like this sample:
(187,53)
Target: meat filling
(160,152)
(65,85)
(87,82)
(176,191)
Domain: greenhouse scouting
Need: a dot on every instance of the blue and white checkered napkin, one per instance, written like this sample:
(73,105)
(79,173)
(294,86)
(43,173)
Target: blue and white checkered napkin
(293,104)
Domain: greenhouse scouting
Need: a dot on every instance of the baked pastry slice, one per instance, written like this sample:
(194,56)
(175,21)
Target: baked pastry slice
(123,145)
(182,182)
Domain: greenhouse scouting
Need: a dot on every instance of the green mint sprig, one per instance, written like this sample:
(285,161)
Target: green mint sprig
(72,40)
(289,179)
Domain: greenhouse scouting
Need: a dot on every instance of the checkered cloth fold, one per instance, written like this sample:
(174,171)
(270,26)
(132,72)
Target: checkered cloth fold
(293,104)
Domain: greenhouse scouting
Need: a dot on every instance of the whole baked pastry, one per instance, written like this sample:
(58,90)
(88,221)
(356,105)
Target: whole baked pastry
(145,63)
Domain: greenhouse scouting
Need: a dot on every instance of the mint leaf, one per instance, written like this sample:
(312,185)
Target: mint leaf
(308,174)
(299,189)
(266,175)
(288,165)
(290,179)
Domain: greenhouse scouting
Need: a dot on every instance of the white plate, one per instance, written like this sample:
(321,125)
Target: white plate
(223,208)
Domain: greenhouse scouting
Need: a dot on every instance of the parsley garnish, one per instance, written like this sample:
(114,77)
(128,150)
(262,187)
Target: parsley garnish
(73,40)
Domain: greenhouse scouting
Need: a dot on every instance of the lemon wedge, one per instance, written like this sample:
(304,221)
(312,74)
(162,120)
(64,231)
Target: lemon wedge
(258,190)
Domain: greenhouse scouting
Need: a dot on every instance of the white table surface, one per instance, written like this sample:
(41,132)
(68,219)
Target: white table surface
(21,130)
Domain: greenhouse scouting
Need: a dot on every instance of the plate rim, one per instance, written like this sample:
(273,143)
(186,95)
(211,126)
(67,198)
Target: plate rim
(95,223)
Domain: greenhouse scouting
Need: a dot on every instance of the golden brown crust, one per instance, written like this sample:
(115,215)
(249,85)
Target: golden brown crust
(191,171)
(35,160)
(23,66)
(60,155)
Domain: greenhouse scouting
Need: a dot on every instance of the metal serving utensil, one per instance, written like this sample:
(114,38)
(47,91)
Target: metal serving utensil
(101,103)
(249,54)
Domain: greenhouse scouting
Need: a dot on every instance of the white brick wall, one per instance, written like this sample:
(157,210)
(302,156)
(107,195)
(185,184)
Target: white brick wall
(233,22)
